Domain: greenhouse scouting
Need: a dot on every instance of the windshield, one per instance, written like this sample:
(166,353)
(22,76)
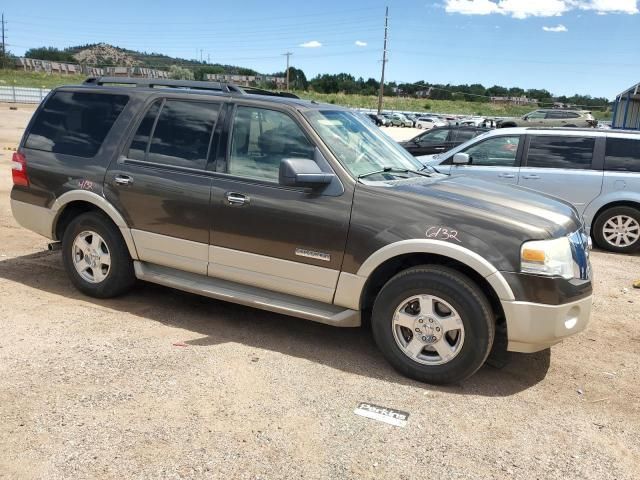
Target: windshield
(359,145)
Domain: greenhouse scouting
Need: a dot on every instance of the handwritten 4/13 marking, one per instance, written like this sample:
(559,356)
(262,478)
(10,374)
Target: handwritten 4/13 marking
(441,233)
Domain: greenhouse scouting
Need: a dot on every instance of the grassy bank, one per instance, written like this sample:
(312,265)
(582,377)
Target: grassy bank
(36,79)
(41,80)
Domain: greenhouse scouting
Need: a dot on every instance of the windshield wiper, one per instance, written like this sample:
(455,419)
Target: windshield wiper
(393,170)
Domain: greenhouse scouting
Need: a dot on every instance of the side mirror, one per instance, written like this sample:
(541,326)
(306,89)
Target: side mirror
(461,159)
(302,172)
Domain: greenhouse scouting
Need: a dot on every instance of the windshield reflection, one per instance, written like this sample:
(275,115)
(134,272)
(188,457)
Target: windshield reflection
(358,144)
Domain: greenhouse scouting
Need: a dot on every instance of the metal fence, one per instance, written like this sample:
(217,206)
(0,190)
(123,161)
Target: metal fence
(22,94)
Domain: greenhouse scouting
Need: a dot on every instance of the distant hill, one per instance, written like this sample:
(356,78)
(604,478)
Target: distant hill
(103,55)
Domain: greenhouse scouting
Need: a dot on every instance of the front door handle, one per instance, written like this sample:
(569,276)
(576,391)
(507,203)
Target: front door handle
(531,177)
(123,180)
(506,175)
(236,199)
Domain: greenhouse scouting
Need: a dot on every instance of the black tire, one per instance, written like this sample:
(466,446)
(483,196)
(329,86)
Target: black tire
(604,217)
(419,127)
(120,277)
(463,295)
(507,125)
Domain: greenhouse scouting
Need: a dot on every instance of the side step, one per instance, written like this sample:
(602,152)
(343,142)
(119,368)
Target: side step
(247,295)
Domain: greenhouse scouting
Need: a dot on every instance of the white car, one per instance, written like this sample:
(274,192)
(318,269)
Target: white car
(428,123)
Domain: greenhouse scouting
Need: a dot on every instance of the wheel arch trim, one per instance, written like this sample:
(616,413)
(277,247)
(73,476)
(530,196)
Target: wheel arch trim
(610,200)
(102,204)
(351,287)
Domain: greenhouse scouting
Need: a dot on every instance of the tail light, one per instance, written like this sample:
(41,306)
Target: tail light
(19,170)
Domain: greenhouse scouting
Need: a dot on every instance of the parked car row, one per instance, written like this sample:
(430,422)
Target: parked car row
(597,171)
(537,118)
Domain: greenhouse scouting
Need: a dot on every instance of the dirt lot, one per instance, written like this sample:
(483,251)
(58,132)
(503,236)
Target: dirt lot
(161,384)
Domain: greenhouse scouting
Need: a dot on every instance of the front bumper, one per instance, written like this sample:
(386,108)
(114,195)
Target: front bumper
(535,326)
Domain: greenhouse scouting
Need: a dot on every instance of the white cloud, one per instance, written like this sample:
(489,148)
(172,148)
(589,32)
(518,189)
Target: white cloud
(360,43)
(611,6)
(539,8)
(471,7)
(559,28)
(311,44)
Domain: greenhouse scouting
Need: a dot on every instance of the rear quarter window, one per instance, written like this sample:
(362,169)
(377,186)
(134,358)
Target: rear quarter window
(75,123)
(622,155)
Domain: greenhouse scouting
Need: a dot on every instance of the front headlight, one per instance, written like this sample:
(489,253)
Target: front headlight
(547,257)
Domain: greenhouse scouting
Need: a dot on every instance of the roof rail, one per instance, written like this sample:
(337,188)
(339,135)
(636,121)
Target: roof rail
(190,84)
(160,82)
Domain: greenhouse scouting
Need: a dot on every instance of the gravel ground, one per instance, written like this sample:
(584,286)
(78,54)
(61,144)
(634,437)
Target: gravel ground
(162,384)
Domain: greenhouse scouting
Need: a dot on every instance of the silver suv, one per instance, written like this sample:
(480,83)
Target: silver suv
(551,118)
(597,171)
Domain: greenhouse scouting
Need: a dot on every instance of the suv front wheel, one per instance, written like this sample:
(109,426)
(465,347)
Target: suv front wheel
(618,229)
(96,257)
(433,324)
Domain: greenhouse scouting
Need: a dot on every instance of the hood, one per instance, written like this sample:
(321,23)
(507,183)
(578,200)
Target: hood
(528,214)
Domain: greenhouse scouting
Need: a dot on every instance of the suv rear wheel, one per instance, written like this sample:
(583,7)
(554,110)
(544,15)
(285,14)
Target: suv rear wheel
(433,324)
(96,257)
(618,229)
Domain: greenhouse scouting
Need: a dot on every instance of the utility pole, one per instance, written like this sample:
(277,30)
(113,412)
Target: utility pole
(384,60)
(4,50)
(288,54)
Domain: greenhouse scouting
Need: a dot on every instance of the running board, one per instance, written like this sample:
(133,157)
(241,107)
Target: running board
(247,295)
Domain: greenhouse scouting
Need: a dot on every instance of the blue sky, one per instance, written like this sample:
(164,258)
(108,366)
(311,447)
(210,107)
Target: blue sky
(566,46)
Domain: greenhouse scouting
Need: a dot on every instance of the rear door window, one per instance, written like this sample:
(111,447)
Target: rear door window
(464,135)
(75,123)
(138,148)
(622,155)
(550,151)
(536,115)
(180,137)
(556,115)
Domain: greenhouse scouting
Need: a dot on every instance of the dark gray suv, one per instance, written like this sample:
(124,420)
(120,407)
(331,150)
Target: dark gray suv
(298,208)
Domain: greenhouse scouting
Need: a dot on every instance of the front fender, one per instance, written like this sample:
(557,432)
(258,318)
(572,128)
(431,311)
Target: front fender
(351,287)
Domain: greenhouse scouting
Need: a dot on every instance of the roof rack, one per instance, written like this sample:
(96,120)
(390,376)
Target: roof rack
(190,84)
(160,82)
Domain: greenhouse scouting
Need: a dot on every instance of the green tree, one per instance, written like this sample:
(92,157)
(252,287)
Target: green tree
(6,59)
(180,73)
(50,53)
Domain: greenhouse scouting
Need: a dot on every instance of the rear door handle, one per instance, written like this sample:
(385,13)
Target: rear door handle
(506,175)
(531,177)
(236,199)
(123,180)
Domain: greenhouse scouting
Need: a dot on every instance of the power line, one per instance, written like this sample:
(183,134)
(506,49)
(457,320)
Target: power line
(207,22)
(384,60)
